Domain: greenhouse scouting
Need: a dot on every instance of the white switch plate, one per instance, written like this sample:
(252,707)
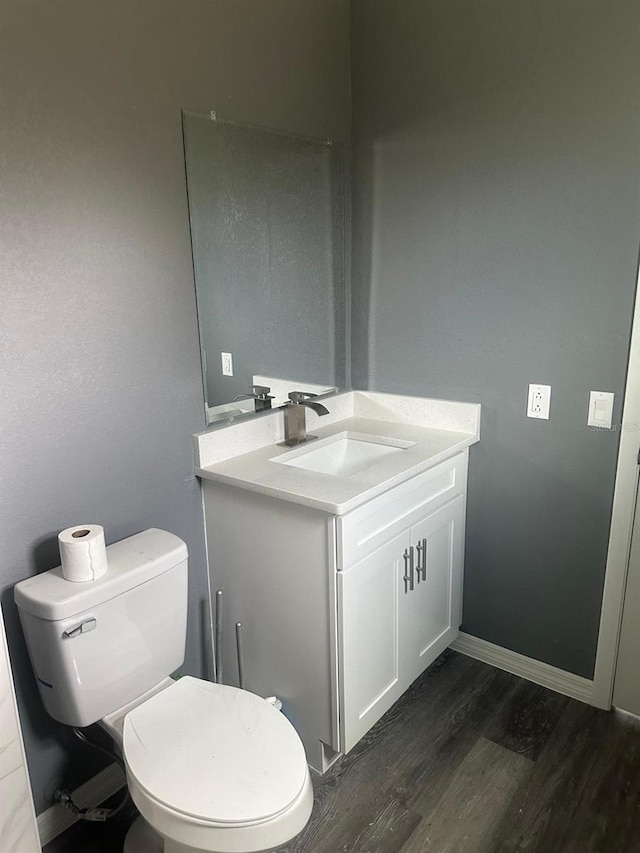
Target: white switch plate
(539,401)
(600,409)
(227,363)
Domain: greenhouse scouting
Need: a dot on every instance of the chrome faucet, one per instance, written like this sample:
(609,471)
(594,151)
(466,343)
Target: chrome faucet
(295,423)
(259,393)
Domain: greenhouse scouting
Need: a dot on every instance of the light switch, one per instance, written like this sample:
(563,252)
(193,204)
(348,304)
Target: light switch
(600,409)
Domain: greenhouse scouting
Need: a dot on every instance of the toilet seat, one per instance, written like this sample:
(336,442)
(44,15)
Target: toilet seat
(203,756)
(199,835)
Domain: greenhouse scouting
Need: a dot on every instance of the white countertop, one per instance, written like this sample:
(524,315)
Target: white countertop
(338,495)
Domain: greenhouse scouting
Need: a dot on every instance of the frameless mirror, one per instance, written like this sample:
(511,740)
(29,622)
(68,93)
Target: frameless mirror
(267,218)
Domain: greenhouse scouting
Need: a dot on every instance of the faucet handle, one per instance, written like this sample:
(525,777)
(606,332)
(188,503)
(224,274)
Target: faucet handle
(298,396)
(261,391)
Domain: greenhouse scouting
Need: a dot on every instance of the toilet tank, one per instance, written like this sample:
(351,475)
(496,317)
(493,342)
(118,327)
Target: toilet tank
(98,645)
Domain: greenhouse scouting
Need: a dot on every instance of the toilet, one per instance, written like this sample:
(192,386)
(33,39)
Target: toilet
(210,767)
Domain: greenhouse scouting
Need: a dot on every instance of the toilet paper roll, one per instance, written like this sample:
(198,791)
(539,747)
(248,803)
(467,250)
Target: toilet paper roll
(83,552)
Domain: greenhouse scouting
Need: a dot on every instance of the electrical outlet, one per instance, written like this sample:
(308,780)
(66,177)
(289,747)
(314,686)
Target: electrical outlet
(539,401)
(227,363)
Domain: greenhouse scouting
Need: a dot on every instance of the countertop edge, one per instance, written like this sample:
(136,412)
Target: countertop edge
(347,506)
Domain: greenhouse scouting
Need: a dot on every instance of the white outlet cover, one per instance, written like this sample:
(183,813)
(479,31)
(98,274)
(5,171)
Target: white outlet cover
(539,402)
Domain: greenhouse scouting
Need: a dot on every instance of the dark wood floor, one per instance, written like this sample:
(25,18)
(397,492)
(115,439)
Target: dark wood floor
(473,760)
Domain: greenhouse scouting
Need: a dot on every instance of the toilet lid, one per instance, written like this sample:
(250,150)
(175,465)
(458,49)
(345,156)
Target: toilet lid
(214,752)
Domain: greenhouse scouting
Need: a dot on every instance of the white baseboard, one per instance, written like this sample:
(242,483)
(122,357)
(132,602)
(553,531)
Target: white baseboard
(96,790)
(533,670)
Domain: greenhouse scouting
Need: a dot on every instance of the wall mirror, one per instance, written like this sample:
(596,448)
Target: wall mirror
(267,215)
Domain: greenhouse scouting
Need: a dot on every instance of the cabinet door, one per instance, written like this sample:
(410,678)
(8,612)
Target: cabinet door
(372,607)
(435,604)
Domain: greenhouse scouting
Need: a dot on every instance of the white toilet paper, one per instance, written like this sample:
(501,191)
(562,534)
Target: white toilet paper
(83,552)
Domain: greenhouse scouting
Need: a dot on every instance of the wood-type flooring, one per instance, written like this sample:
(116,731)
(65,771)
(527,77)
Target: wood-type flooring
(470,760)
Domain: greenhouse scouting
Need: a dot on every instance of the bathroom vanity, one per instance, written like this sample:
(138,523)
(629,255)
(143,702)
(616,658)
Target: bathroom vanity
(342,558)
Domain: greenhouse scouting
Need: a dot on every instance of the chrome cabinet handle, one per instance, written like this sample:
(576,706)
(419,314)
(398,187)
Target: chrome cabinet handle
(421,548)
(408,569)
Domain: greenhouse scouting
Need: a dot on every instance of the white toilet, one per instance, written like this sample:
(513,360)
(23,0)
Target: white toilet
(210,767)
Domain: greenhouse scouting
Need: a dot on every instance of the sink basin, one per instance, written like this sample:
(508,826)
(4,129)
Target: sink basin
(343,454)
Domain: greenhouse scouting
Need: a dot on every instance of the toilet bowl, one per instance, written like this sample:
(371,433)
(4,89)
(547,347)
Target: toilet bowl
(214,768)
(210,767)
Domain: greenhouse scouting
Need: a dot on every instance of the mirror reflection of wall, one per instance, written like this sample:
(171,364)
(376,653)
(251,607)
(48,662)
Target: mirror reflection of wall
(267,231)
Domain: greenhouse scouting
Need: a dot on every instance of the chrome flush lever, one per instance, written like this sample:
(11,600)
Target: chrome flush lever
(82,628)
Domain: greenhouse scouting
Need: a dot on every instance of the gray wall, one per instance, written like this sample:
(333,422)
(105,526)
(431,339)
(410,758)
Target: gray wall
(496,227)
(101,384)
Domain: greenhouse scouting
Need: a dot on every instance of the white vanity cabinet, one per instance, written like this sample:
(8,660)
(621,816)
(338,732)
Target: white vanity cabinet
(339,613)
(400,605)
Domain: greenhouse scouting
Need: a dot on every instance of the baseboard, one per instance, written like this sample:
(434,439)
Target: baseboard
(533,670)
(96,790)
